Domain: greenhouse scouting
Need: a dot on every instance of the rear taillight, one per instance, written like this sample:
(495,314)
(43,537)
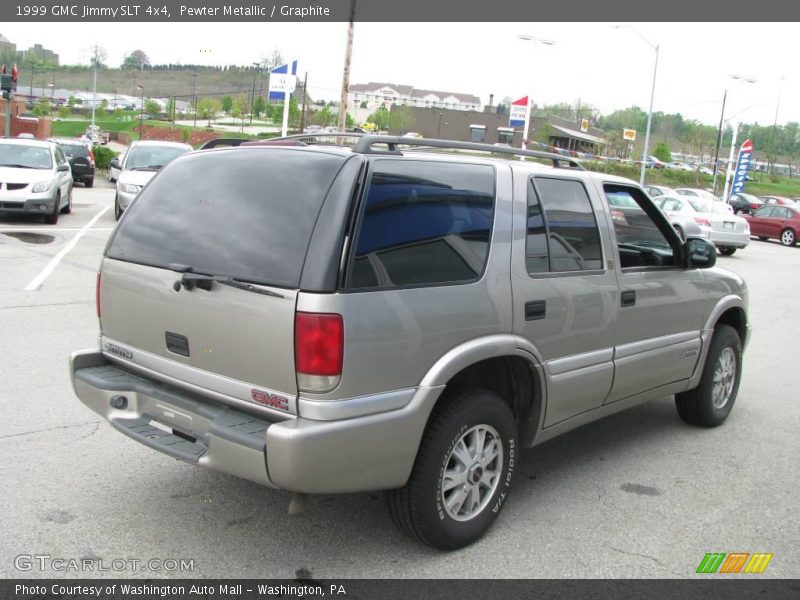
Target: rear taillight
(318,350)
(754,206)
(702,221)
(91,157)
(619,217)
(97,294)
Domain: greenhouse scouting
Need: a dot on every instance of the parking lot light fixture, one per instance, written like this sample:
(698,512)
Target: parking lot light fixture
(526,37)
(656,48)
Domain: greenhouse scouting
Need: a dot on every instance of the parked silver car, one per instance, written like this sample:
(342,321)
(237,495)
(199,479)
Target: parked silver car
(328,319)
(728,231)
(35,178)
(140,163)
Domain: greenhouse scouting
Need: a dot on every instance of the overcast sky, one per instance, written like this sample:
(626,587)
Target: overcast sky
(606,67)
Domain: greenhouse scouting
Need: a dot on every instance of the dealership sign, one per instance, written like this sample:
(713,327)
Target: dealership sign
(629,134)
(282,81)
(519,112)
(742,166)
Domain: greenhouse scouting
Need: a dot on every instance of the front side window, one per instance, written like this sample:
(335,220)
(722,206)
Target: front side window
(562,230)
(424,223)
(764,212)
(640,239)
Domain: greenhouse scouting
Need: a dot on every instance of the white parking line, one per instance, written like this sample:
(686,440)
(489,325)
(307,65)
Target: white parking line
(39,279)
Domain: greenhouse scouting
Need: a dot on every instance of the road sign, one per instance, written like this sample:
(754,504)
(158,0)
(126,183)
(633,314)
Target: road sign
(629,134)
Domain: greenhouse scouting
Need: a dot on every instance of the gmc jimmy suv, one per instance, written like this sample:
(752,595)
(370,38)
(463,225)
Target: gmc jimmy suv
(399,314)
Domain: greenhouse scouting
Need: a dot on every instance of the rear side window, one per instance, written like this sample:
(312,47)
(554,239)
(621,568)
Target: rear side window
(243,213)
(562,230)
(424,224)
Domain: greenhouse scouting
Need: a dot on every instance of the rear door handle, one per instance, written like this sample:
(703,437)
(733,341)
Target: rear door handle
(628,298)
(535,310)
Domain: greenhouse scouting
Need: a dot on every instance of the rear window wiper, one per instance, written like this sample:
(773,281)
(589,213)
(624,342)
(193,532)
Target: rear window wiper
(191,280)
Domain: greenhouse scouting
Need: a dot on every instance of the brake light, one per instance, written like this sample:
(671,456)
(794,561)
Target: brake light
(91,157)
(318,350)
(97,294)
(702,221)
(754,206)
(619,217)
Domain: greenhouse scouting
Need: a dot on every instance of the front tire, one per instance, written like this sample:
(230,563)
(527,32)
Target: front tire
(68,208)
(462,475)
(788,237)
(710,403)
(52,218)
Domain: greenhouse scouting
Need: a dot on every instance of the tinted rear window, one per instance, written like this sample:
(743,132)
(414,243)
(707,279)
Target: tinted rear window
(244,213)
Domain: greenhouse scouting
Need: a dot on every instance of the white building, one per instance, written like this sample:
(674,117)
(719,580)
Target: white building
(387,94)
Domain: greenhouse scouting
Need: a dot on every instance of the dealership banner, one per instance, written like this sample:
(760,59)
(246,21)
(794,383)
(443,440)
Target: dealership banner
(282,81)
(742,166)
(518,114)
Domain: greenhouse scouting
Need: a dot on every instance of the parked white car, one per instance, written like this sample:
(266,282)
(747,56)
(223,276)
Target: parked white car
(728,232)
(142,161)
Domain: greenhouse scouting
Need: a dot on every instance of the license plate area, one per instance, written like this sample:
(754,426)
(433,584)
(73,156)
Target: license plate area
(727,225)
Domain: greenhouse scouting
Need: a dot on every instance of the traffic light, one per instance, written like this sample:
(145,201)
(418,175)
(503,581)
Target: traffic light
(9,82)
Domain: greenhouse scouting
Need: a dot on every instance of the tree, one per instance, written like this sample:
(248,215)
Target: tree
(363,104)
(349,121)
(273,60)
(63,112)
(73,101)
(323,117)
(380,117)
(258,106)
(171,109)
(136,60)
(152,107)
(662,153)
(227,104)
(240,108)
(207,108)
(98,54)
(402,119)
(42,107)
(102,109)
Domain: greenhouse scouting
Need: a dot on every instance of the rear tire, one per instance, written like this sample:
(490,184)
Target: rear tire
(727,251)
(710,403)
(52,218)
(788,237)
(117,209)
(89,182)
(462,474)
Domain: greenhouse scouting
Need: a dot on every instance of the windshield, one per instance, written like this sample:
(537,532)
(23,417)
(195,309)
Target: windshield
(25,157)
(152,157)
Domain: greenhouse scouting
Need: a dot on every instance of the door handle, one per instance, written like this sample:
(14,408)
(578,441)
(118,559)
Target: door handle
(628,298)
(535,310)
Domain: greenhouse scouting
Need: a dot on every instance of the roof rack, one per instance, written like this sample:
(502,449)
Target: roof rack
(366,142)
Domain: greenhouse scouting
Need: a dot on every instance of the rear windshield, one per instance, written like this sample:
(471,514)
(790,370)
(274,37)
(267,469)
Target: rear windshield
(75,149)
(242,213)
(152,158)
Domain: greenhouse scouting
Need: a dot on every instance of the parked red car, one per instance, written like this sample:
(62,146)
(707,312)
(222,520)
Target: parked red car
(777,222)
(778,200)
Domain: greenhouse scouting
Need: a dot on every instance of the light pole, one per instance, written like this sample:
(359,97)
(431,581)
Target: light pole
(719,132)
(655,48)
(141,113)
(536,40)
(52,87)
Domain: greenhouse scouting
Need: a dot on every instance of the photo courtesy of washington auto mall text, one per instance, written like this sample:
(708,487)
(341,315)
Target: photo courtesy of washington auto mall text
(399,299)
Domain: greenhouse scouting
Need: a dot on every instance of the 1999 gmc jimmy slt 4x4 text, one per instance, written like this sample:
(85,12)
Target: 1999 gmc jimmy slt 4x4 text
(386,316)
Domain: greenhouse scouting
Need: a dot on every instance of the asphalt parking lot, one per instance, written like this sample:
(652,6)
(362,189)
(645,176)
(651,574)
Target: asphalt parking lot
(639,494)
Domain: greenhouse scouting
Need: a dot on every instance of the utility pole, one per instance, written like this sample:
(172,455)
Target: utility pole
(719,143)
(194,96)
(346,74)
(253,93)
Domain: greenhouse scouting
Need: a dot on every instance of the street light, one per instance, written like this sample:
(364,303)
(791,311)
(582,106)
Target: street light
(536,40)
(655,48)
(719,131)
(141,113)
(729,173)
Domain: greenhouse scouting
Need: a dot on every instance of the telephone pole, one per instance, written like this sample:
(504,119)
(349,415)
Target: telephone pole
(346,74)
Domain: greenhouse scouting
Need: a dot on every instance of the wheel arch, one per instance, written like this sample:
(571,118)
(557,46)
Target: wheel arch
(508,365)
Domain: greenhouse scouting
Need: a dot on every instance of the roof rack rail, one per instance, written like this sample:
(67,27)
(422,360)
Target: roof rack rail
(366,142)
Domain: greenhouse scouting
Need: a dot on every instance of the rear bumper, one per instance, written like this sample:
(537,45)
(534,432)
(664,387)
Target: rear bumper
(732,239)
(302,455)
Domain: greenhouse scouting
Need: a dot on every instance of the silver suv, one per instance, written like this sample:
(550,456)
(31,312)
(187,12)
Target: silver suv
(387,316)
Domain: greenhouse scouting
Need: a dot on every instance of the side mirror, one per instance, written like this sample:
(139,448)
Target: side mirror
(115,163)
(63,168)
(700,253)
